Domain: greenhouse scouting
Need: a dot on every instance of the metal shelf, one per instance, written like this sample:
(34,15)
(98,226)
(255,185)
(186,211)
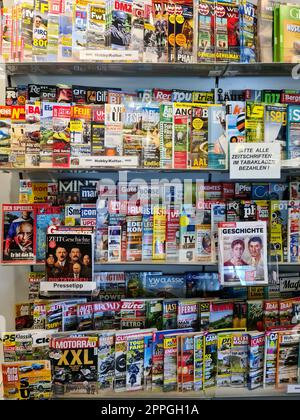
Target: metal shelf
(111,169)
(259,69)
(151,69)
(116,69)
(215,393)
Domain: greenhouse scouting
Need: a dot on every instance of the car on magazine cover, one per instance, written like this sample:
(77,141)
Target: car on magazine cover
(13,391)
(291,357)
(24,369)
(85,325)
(37,366)
(54,315)
(237,380)
(42,386)
(23,321)
(4,136)
(255,361)
(4,124)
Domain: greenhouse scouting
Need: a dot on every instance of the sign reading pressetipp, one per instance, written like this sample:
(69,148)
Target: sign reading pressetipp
(255,161)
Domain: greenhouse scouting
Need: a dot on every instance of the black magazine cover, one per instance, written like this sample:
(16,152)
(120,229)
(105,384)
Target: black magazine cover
(69,257)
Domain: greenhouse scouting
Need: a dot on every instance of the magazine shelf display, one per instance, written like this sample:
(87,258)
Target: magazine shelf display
(148,324)
(153,70)
(71,309)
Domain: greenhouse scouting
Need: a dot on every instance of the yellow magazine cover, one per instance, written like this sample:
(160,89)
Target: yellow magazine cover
(159,233)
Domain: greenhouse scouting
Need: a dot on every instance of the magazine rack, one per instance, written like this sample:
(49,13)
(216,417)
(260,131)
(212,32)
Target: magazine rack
(216,72)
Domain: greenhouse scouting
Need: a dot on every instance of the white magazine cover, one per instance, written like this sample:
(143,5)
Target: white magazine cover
(243,253)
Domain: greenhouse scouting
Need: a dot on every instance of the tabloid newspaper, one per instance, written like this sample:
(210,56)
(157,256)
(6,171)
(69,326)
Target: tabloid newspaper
(243,253)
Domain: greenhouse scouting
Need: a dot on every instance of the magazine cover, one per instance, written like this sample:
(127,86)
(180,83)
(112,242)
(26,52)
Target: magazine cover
(69,190)
(106,360)
(159,233)
(288,33)
(198,361)
(235,121)
(69,257)
(243,253)
(148,356)
(18,232)
(206,41)
(248,32)
(293,231)
(74,363)
(187,234)
(106,315)
(224,359)
(133,313)
(255,315)
(279,230)
(165,131)
(40,344)
(39,315)
(256,349)
(170,308)
(135,363)
(170,346)
(154,313)
(187,362)
(226,36)
(163,285)
(172,233)
(158,357)
(5,121)
(287,358)
(276,126)
(69,316)
(270,359)
(23,315)
(180,136)
(210,360)
(239,359)
(121,355)
(265,25)
(85,316)
(254,122)
(34,279)
(150,132)
(80,130)
(217,140)
(31,192)
(293,132)
(187,314)
(201,284)
(27,380)
(54,314)
(221,315)
(61,135)
(134,238)
(47,218)
(40,31)
(110,286)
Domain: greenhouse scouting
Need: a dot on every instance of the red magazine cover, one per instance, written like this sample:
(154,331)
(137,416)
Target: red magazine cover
(18,237)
